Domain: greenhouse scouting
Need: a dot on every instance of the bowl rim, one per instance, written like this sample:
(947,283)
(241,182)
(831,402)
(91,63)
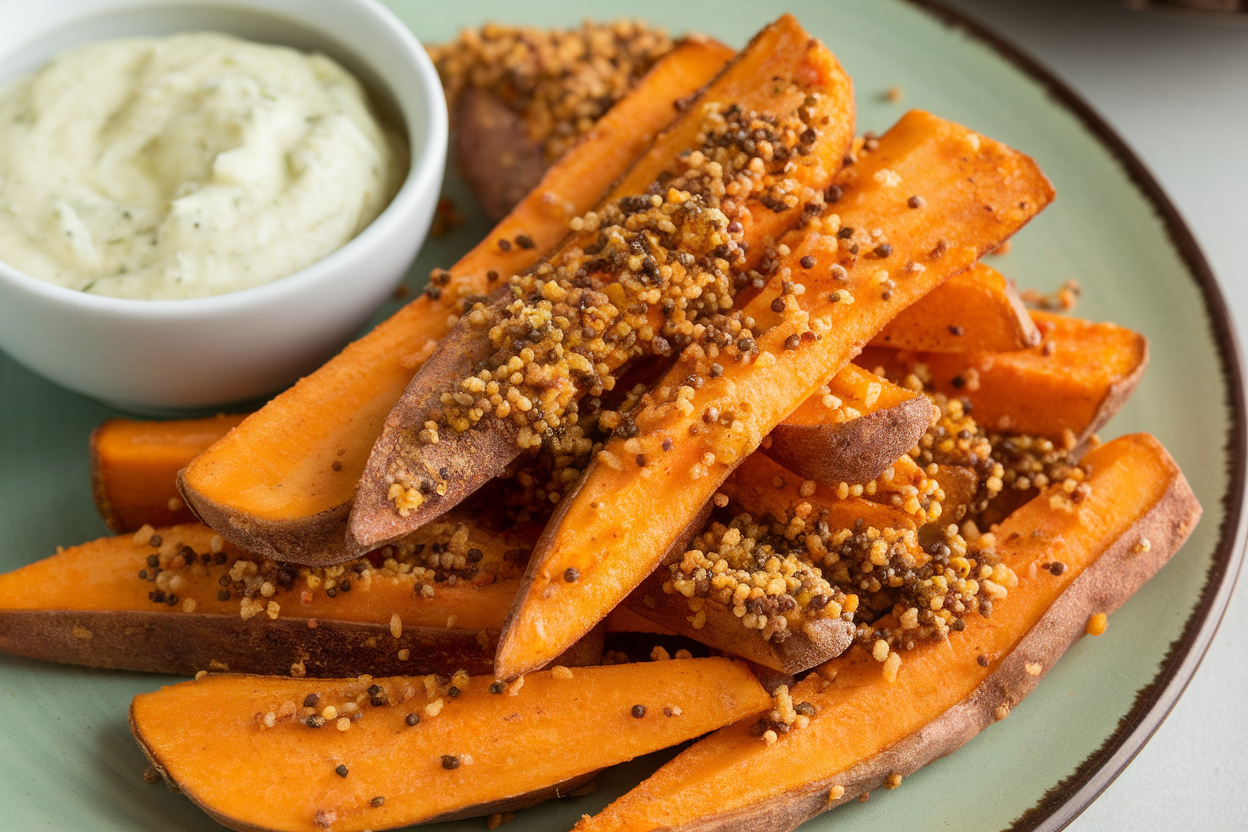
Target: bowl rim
(425,166)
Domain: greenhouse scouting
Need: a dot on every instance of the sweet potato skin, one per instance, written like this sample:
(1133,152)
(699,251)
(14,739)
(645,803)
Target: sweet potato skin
(1100,587)
(493,151)
(856,451)
(185,643)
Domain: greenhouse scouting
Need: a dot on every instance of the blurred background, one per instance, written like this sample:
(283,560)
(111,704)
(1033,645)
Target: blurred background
(1174,84)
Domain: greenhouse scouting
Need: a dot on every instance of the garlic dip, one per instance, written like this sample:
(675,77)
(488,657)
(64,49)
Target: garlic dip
(186,166)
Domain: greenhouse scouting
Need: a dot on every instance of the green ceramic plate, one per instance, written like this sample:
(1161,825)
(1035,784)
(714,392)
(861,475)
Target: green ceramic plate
(68,759)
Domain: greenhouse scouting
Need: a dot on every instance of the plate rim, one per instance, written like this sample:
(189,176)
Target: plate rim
(1066,800)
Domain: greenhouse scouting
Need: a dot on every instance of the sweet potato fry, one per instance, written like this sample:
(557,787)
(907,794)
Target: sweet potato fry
(105,604)
(1066,388)
(281,484)
(134,468)
(851,430)
(976,311)
(977,193)
(414,756)
(426,460)
(1138,512)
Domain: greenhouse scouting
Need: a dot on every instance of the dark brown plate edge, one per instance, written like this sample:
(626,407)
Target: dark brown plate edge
(1065,800)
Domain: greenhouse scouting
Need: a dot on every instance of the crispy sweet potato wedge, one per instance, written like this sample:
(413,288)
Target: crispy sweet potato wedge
(476,753)
(88,605)
(134,468)
(1137,514)
(1066,388)
(852,430)
(439,474)
(281,484)
(976,311)
(977,192)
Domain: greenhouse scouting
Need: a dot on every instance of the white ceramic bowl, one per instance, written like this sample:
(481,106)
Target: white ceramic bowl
(179,355)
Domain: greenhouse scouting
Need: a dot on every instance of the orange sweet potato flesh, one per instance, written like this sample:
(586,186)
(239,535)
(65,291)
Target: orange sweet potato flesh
(507,746)
(460,462)
(942,695)
(618,522)
(876,423)
(976,311)
(271,485)
(134,468)
(1066,388)
(86,605)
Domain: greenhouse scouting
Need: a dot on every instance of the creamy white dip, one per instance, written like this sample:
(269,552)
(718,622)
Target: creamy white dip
(186,166)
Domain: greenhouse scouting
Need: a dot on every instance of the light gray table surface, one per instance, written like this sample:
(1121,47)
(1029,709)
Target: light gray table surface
(1175,87)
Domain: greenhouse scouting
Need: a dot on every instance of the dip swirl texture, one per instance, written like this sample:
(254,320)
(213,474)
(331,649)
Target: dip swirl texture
(186,166)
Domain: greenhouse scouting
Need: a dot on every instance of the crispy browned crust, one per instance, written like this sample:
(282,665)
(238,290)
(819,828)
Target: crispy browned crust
(457,465)
(185,643)
(493,151)
(855,451)
(1102,587)
(316,540)
(1119,392)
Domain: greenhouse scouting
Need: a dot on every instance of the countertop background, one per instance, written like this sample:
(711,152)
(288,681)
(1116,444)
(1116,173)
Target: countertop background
(1175,87)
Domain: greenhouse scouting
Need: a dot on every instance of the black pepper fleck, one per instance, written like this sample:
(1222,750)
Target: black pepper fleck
(571,574)
(412,720)
(639,711)
(341,770)
(450,762)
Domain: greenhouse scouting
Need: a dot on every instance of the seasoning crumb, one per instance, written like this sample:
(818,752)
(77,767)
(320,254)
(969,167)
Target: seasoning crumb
(497,687)
(893,781)
(981,660)
(150,774)
(1097,624)
(342,770)
(560,672)
(377,802)
(894,94)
